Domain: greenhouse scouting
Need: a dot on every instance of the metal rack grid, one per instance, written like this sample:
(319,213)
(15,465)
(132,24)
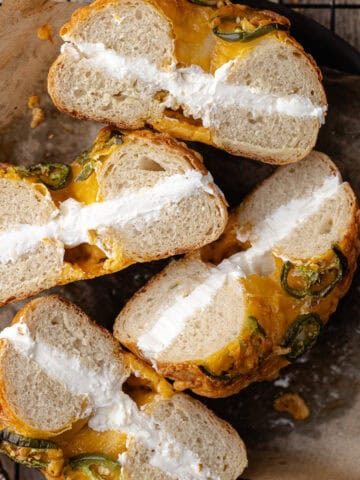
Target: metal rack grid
(332,6)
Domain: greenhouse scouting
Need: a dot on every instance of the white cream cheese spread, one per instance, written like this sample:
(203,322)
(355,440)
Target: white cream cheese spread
(198,93)
(258,259)
(110,408)
(72,222)
(171,321)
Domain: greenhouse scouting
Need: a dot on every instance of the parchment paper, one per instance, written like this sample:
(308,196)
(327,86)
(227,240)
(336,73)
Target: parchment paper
(327,445)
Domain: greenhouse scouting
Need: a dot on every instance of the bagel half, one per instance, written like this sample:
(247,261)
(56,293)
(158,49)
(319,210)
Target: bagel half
(231,77)
(255,300)
(133,197)
(73,403)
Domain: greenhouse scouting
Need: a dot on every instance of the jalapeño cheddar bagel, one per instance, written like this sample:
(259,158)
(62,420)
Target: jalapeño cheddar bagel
(232,77)
(78,408)
(257,299)
(131,198)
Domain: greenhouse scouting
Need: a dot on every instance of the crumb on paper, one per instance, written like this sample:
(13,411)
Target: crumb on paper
(282,422)
(283,382)
(45,32)
(293,404)
(38,116)
(33,101)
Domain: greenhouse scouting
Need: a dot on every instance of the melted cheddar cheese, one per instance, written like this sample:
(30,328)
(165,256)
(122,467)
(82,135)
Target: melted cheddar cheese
(148,376)
(196,44)
(176,124)
(86,260)
(144,385)
(274,309)
(194,40)
(87,191)
(110,443)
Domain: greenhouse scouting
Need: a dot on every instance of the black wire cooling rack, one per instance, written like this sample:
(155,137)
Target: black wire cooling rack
(332,6)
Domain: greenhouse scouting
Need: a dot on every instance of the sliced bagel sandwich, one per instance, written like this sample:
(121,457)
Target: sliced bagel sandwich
(256,299)
(133,197)
(77,407)
(232,77)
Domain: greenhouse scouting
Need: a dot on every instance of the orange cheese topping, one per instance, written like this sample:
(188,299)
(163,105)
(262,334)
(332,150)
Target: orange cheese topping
(86,260)
(293,404)
(110,443)
(45,32)
(89,259)
(196,44)
(143,386)
(274,309)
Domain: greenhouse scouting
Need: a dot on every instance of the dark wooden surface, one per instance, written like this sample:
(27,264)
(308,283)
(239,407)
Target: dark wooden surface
(347,25)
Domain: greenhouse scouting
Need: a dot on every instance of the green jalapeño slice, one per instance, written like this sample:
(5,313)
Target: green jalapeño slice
(54,175)
(302,335)
(313,280)
(205,3)
(96,467)
(30,451)
(236,29)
